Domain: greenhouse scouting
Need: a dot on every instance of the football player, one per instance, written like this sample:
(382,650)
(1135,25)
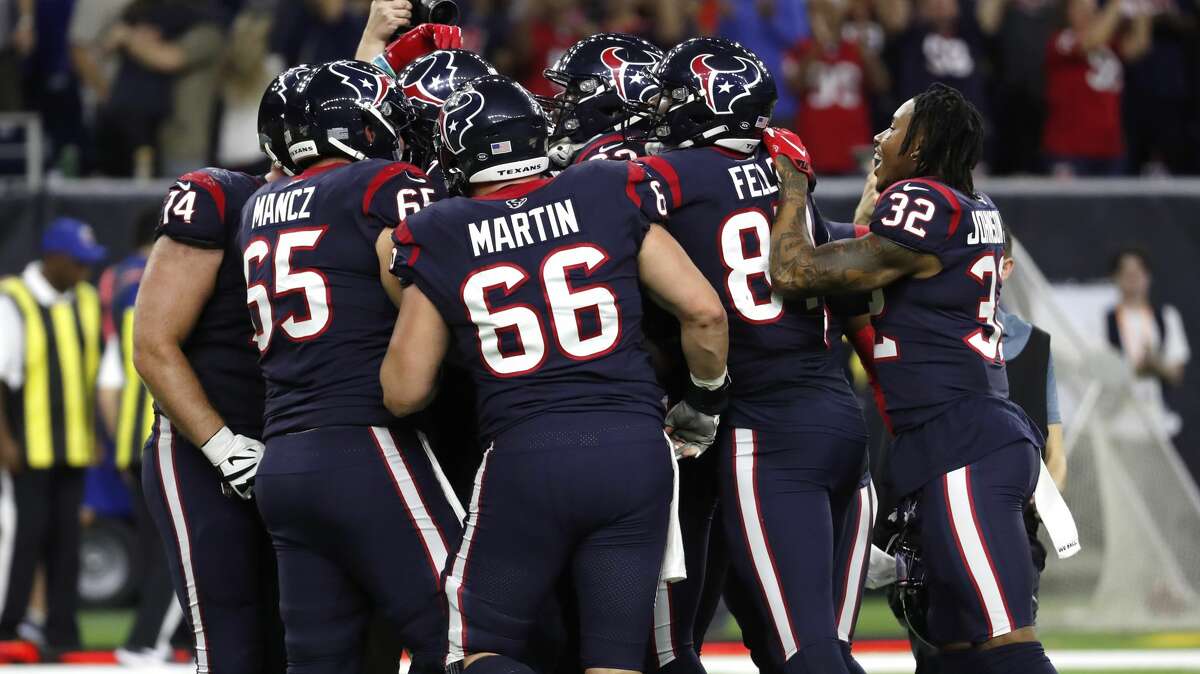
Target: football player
(537,284)
(965,457)
(793,445)
(352,497)
(426,83)
(192,348)
(601,77)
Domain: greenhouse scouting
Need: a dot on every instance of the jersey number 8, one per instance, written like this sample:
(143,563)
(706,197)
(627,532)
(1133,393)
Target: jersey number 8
(567,305)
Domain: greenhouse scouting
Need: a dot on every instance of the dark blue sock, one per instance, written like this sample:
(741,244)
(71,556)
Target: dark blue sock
(1023,658)
(497,664)
(852,665)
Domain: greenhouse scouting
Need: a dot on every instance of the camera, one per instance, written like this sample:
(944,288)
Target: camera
(435,11)
(431,11)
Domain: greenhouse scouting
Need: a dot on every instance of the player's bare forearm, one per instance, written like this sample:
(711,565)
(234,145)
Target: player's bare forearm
(675,284)
(1056,457)
(800,269)
(177,283)
(705,342)
(410,368)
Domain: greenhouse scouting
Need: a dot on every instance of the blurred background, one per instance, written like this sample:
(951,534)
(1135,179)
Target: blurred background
(1093,118)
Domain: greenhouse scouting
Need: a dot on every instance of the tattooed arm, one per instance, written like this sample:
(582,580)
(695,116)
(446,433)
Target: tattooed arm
(799,269)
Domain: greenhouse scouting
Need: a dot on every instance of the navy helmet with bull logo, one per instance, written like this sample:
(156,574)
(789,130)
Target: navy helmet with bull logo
(271,112)
(600,75)
(346,110)
(714,92)
(491,130)
(427,83)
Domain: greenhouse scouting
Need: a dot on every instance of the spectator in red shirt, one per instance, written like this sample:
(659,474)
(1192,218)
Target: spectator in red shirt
(550,27)
(833,76)
(1084,79)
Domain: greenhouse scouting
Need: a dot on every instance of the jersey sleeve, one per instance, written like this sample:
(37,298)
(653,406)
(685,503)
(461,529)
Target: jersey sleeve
(648,197)
(662,181)
(919,214)
(194,211)
(393,193)
(409,263)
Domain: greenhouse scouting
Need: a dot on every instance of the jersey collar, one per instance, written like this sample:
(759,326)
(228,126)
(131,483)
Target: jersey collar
(517,190)
(318,170)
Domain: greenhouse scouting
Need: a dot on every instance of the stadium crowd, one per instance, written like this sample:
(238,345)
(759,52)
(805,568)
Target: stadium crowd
(1068,87)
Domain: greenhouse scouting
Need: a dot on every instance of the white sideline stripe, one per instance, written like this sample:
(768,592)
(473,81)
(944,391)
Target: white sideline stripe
(427,527)
(760,556)
(170,486)
(854,576)
(454,651)
(8,533)
(451,497)
(663,644)
(962,521)
(875,663)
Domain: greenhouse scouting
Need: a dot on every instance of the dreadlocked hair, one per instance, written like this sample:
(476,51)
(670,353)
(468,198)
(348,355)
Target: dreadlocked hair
(951,133)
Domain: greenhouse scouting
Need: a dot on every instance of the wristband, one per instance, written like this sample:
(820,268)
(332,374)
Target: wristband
(708,396)
(219,446)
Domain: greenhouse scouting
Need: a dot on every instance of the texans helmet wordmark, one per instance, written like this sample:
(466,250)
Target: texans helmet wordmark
(721,90)
(413,85)
(636,85)
(458,116)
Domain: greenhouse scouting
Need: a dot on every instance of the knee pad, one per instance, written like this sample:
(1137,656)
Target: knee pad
(821,657)
(497,664)
(1023,658)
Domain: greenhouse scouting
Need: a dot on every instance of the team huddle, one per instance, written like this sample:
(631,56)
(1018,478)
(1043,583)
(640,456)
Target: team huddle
(621,308)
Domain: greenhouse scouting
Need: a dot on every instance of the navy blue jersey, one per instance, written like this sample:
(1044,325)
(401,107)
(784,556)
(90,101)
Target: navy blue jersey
(610,146)
(937,338)
(201,209)
(539,285)
(783,355)
(322,317)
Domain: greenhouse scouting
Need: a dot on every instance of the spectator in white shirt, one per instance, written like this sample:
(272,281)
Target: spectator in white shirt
(1150,335)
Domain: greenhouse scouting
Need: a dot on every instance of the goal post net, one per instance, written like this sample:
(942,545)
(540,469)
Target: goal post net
(1136,505)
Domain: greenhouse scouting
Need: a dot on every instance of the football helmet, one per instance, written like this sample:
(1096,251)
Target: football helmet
(713,92)
(345,109)
(909,596)
(491,129)
(426,84)
(600,76)
(270,117)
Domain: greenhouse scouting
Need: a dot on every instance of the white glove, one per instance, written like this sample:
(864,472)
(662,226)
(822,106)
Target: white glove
(236,457)
(691,431)
(881,571)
